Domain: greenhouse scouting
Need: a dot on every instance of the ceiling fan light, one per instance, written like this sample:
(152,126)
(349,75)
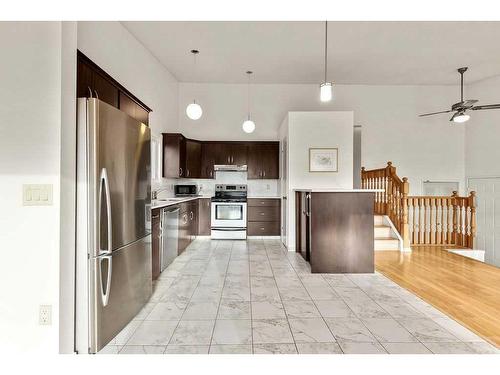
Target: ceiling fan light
(194,111)
(326,92)
(248,126)
(460,117)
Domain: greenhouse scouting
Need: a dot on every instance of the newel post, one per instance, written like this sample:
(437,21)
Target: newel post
(363,178)
(405,227)
(472,205)
(388,191)
(455,224)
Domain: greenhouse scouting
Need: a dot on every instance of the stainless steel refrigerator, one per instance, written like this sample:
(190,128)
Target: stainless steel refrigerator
(113,259)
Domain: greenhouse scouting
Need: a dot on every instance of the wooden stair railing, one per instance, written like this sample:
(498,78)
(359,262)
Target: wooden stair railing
(422,220)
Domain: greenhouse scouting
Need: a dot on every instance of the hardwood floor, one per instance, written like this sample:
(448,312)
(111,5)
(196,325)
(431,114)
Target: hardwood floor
(464,289)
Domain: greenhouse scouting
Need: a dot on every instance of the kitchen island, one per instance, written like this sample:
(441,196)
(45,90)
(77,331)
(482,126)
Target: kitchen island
(335,230)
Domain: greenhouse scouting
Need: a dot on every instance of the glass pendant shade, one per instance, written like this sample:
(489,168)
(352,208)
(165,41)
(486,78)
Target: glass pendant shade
(194,111)
(326,92)
(460,117)
(248,126)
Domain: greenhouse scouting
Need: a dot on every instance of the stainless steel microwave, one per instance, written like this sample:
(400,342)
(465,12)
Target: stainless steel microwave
(184,190)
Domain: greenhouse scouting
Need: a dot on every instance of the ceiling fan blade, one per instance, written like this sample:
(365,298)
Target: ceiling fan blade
(486,106)
(435,113)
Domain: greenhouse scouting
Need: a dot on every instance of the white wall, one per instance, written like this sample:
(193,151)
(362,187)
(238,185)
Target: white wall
(482,150)
(316,130)
(30,131)
(68,186)
(115,50)
(391,128)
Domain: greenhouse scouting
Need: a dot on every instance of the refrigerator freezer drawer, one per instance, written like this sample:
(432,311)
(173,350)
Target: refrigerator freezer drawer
(129,290)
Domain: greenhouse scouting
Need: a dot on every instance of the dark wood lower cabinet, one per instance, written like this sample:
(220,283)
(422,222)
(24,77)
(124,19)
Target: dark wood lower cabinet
(302,240)
(155,242)
(184,236)
(335,231)
(204,218)
(264,217)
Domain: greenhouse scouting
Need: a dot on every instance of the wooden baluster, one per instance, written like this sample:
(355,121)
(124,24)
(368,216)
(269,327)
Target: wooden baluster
(455,228)
(443,208)
(472,205)
(450,222)
(389,195)
(363,178)
(432,224)
(405,228)
(437,233)
(413,223)
(421,238)
(459,223)
(425,221)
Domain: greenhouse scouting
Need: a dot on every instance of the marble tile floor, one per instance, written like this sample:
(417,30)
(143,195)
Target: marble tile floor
(243,297)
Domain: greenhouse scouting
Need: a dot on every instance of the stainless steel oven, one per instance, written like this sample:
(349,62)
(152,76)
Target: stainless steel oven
(229,212)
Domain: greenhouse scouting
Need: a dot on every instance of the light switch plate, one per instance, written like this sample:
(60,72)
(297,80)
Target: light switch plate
(37,195)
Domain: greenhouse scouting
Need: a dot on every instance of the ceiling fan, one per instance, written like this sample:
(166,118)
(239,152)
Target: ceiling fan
(463,106)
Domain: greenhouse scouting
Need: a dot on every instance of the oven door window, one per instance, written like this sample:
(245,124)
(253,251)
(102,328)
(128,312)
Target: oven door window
(228,212)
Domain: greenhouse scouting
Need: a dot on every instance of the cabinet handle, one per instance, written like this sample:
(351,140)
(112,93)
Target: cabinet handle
(180,171)
(191,215)
(262,228)
(264,173)
(187,172)
(262,214)
(90,91)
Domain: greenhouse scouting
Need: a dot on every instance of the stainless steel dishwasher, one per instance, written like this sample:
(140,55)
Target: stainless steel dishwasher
(169,240)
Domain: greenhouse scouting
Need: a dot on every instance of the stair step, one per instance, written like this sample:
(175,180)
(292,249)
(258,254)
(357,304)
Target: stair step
(378,220)
(386,244)
(382,231)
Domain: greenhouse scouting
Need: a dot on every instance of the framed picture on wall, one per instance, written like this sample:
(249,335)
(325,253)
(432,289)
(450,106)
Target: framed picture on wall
(323,160)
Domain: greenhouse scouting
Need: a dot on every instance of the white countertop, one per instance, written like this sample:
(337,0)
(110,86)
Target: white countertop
(262,197)
(166,202)
(172,201)
(341,190)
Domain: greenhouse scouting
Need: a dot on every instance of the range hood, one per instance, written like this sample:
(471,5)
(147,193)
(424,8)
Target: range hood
(230,168)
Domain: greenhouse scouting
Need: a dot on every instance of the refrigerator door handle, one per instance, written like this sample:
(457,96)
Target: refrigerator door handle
(104,179)
(105,293)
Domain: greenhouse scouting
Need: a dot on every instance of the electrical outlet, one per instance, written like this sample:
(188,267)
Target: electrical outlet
(268,187)
(45,315)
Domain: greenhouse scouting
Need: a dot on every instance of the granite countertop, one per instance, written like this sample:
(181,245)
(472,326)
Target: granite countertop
(341,190)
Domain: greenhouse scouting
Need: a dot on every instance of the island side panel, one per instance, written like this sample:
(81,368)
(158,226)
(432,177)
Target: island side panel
(342,232)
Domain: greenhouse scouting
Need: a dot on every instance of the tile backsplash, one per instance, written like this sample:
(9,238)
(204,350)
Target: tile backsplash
(256,188)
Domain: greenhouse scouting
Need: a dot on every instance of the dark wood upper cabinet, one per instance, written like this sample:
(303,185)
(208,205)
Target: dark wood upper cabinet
(263,160)
(127,104)
(254,162)
(189,158)
(231,153)
(271,160)
(208,159)
(174,155)
(105,90)
(92,81)
(85,80)
(238,153)
(193,159)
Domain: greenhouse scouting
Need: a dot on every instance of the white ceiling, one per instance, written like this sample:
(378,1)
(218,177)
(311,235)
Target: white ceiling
(374,53)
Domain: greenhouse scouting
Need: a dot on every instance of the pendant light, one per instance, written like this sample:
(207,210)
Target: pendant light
(248,125)
(326,88)
(193,110)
